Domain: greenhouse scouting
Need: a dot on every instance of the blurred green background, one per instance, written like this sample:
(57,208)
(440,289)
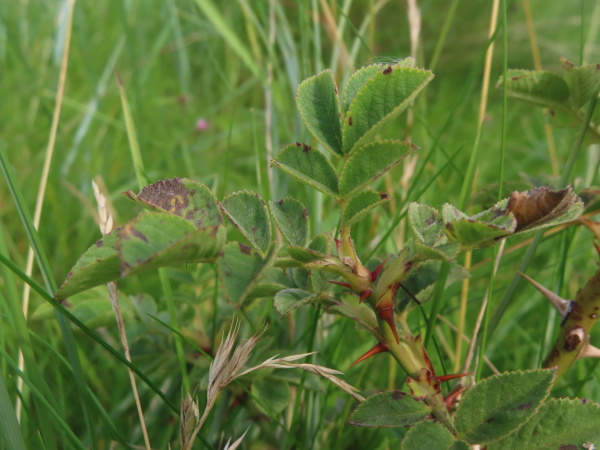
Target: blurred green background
(196,75)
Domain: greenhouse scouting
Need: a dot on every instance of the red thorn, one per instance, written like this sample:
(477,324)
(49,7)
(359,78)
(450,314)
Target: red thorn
(365,294)
(379,348)
(375,273)
(451,398)
(341,283)
(453,376)
(387,314)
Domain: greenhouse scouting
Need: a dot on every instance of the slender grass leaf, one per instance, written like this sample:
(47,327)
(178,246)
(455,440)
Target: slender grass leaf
(272,395)
(536,86)
(182,197)
(249,214)
(98,265)
(369,162)
(155,240)
(10,433)
(241,268)
(292,219)
(290,299)
(499,405)
(309,166)
(389,409)
(381,99)
(361,204)
(560,423)
(319,107)
(430,435)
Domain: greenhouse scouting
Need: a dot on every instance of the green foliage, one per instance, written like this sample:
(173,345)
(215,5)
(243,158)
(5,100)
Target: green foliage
(198,76)
(499,405)
(389,409)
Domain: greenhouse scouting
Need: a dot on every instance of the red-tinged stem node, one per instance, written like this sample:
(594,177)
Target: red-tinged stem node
(451,398)
(387,314)
(379,348)
(453,376)
(365,294)
(375,273)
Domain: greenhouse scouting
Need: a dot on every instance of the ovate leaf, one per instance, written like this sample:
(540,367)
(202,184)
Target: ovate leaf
(370,162)
(499,405)
(361,204)
(357,81)
(382,98)
(290,299)
(241,268)
(98,265)
(583,82)
(157,239)
(249,214)
(538,86)
(292,219)
(185,198)
(560,423)
(431,435)
(427,224)
(309,166)
(319,107)
(389,409)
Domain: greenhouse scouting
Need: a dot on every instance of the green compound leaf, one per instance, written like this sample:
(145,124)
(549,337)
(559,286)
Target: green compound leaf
(290,299)
(309,166)
(182,197)
(305,255)
(472,233)
(249,214)
(427,224)
(319,107)
(560,423)
(157,239)
(370,162)
(431,435)
(361,76)
(241,268)
(361,204)
(292,219)
(389,409)
(499,405)
(536,86)
(583,82)
(381,99)
(98,265)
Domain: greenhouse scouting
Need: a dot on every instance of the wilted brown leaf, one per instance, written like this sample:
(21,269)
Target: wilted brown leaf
(539,205)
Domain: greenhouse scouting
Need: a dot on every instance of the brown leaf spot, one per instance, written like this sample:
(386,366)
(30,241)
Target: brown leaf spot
(170,195)
(245,249)
(524,406)
(100,243)
(537,205)
(430,220)
(298,144)
(397,395)
(350,121)
(388,70)
(138,234)
(383,195)
(306,148)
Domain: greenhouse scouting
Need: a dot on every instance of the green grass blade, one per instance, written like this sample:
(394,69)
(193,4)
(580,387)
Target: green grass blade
(10,434)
